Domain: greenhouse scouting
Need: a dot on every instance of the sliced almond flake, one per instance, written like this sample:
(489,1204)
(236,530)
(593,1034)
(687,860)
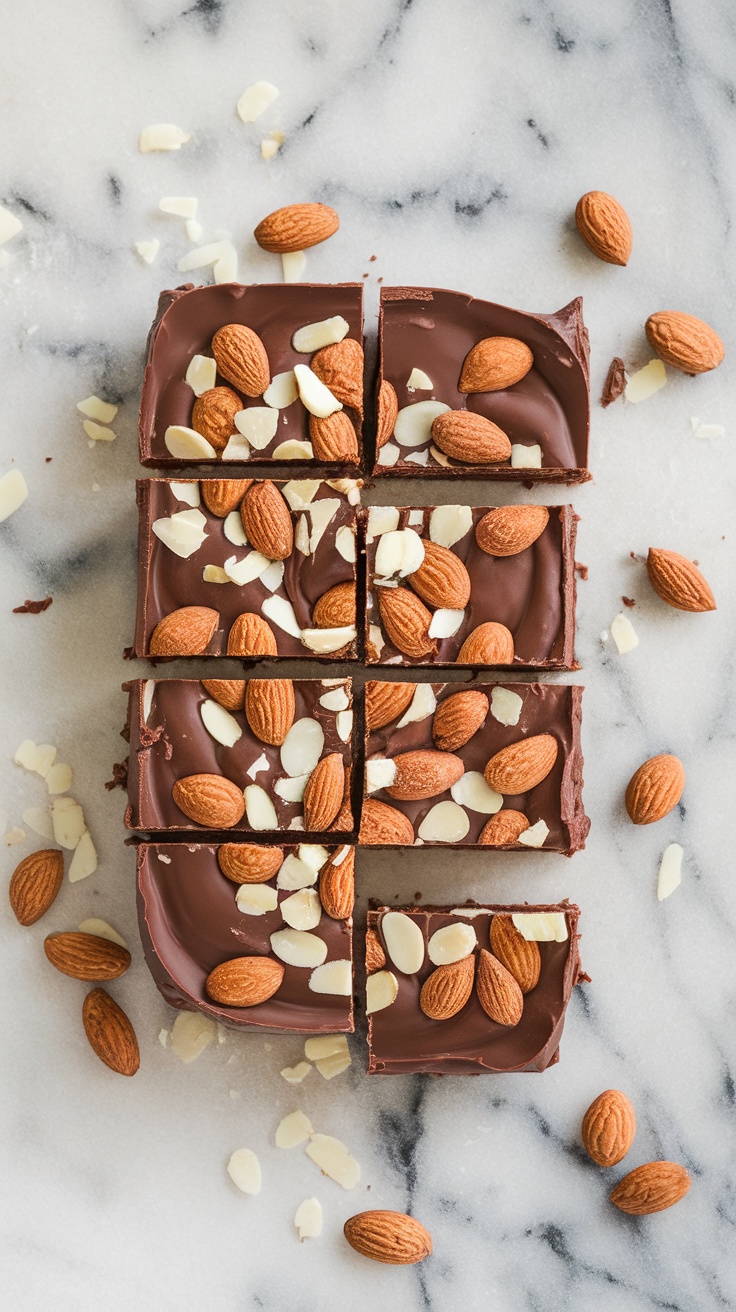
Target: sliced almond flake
(10,226)
(316,398)
(291,790)
(380,772)
(186,444)
(418,458)
(623,634)
(345,543)
(388,455)
(259,808)
(281,612)
(193,228)
(314,855)
(13,492)
(709,431)
(244,1170)
(451,943)
(211,253)
(163,1037)
(321,1046)
(336,978)
(645,382)
(418,381)
(39,759)
(375,638)
(541,926)
(472,791)
(201,374)
(13,836)
(298,948)
(445,822)
(381,990)
(149,689)
(294,449)
(308,1219)
(301,910)
(68,820)
(422,705)
(399,552)
(334,1160)
(273,577)
(247,569)
(329,1067)
(349,487)
(526,457)
(183,206)
(187,492)
(449,524)
(258,766)
(438,456)
(506,706)
(294,1129)
(337,700)
(258,425)
(282,392)
(300,492)
(404,941)
(302,746)
(233,529)
(293,264)
(59,778)
(295,873)
(184,532)
(341,854)
(84,861)
(215,574)
(301,536)
(269,148)
(324,641)
(191,1033)
(162,136)
(226,267)
(313,336)
(445,623)
(295,1074)
(256,899)
(102,930)
(670,871)
(166,859)
(255,99)
(94,408)
(39,820)
(535,835)
(237,448)
(381,519)
(414,423)
(416,518)
(218,722)
(148,250)
(96,433)
(321,514)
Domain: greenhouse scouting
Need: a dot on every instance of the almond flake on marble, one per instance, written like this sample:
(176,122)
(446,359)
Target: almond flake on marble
(237,448)
(94,408)
(258,425)
(472,791)
(281,612)
(291,790)
(68,820)
(422,705)
(324,641)
(186,492)
(381,990)
(225,268)
(233,529)
(308,1219)
(541,926)
(96,432)
(388,455)
(336,700)
(624,634)
(316,398)
(269,148)
(334,1160)
(418,458)
(535,835)
(344,725)
(302,910)
(184,207)
(163,1037)
(259,808)
(203,256)
(302,746)
(399,552)
(293,450)
(102,930)
(10,226)
(39,820)
(526,457)
(451,943)
(191,1033)
(294,1129)
(413,425)
(670,871)
(215,574)
(313,336)
(325,1045)
(418,381)
(295,873)
(186,444)
(336,978)
(295,1074)
(84,860)
(162,136)
(201,374)
(380,772)
(404,941)
(282,392)
(184,532)
(506,706)
(293,264)
(255,100)
(38,759)
(645,382)
(251,567)
(345,543)
(448,524)
(13,492)
(59,778)
(298,948)
(273,577)
(193,228)
(219,723)
(445,822)
(329,1067)
(244,1170)
(708,431)
(13,836)
(445,623)
(148,250)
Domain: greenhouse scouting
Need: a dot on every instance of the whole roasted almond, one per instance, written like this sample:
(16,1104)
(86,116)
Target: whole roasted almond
(213,415)
(209,799)
(651,1188)
(34,884)
(110,1033)
(495,363)
(344,818)
(458,719)
(677,581)
(507,530)
(445,992)
(488,644)
(655,789)
(249,863)
(86,956)
(223,495)
(244,981)
(337,886)
(267,520)
(381,824)
(387,409)
(335,608)
(324,792)
(522,959)
(442,579)
(270,708)
(522,765)
(390,1237)
(684,342)
(375,957)
(340,367)
(251,635)
(333,437)
(184,632)
(498,992)
(296,227)
(470,438)
(385,702)
(604,226)
(424,774)
(241,359)
(406,621)
(229,693)
(503,829)
(609,1126)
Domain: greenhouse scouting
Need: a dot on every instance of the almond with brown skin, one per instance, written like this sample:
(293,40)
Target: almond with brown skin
(270,708)
(495,363)
(390,1237)
(344,818)
(406,621)
(651,1188)
(470,438)
(184,632)
(241,359)
(229,693)
(296,227)
(337,886)
(249,863)
(442,579)
(251,635)
(340,367)
(654,789)
(209,800)
(385,702)
(375,957)
(507,530)
(387,409)
(684,342)
(677,581)
(608,1129)
(521,958)
(324,792)
(424,774)
(489,644)
(458,719)
(213,415)
(445,992)
(333,437)
(523,765)
(498,992)
(86,956)
(223,495)
(267,520)
(335,608)
(503,829)
(381,824)
(604,226)
(244,981)
(34,885)
(110,1033)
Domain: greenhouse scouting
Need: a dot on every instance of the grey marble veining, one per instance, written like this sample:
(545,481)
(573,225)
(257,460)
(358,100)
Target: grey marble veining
(454,140)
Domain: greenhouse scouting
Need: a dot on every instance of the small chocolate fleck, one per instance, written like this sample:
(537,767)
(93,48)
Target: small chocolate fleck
(48,460)
(119,776)
(581,570)
(615,382)
(33,607)
(372,258)
(628,601)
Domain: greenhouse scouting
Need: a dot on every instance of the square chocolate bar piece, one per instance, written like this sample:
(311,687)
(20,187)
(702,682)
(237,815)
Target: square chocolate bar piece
(469,387)
(457,585)
(256,937)
(257,756)
(490,765)
(263,374)
(245,567)
(469,990)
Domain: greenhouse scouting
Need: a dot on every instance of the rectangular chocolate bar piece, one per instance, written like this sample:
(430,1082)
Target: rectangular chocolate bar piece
(245,567)
(469,990)
(491,765)
(469,387)
(458,585)
(266,374)
(289,908)
(257,756)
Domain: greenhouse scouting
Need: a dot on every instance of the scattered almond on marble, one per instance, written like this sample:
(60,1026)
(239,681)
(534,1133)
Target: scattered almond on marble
(35,884)
(390,1237)
(110,1033)
(654,789)
(608,1128)
(296,227)
(678,582)
(604,226)
(651,1188)
(86,956)
(684,342)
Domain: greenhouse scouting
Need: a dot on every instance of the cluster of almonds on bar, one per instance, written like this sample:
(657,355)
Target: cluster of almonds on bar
(608,1130)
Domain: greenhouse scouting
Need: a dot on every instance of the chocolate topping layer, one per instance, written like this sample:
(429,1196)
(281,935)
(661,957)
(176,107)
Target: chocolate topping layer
(403,1041)
(190,923)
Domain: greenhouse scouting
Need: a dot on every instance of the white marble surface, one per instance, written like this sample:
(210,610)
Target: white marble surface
(454,141)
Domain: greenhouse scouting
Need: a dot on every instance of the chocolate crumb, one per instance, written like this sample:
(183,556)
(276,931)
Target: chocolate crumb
(48,460)
(119,776)
(33,607)
(372,258)
(615,382)
(628,601)
(379,279)
(581,570)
